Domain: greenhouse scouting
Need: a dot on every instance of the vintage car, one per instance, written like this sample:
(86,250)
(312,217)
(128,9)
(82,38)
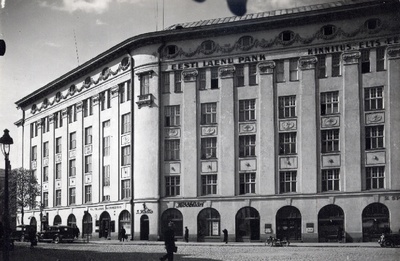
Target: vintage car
(21,233)
(389,240)
(57,234)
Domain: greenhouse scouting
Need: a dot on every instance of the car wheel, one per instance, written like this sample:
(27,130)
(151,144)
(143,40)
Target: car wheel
(388,243)
(57,240)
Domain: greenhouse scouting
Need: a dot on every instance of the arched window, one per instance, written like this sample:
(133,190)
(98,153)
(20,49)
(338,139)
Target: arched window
(247,224)
(175,216)
(375,221)
(57,220)
(208,224)
(71,221)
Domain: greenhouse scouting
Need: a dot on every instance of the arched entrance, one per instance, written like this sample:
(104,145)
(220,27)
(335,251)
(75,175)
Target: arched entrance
(375,221)
(288,223)
(330,223)
(125,222)
(247,224)
(71,220)
(105,225)
(208,224)
(57,220)
(87,225)
(144,227)
(174,215)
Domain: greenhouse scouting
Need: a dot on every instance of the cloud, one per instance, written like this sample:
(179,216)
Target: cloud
(51,44)
(3,3)
(88,6)
(99,22)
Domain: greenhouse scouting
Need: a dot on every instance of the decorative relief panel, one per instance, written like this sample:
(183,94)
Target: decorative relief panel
(88,178)
(374,118)
(266,67)
(288,162)
(58,184)
(45,162)
(287,125)
(307,62)
(72,154)
(126,139)
(329,122)
(330,161)
(33,164)
(351,57)
(247,164)
(125,172)
(172,133)
(247,127)
(377,157)
(189,75)
(393,52)
(72,181)
(58,157)
(226,71)
(209,166)
(45,186)
(88,149)
(209,130)
(172,168)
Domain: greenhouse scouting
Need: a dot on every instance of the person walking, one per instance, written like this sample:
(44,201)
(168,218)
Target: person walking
(32,237)
(186,235)
(169,241)
(225,235)
(123,234)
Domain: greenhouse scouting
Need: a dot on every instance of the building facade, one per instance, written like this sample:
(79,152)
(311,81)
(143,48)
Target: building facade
(283,123)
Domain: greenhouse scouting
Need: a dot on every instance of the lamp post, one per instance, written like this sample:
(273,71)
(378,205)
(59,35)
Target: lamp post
(5,142)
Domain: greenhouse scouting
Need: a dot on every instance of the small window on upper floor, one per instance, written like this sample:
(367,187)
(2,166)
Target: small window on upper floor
(72,89)
(372,24)
(328,30)
(170,50)
(246,41)
(208,46)
(286,36)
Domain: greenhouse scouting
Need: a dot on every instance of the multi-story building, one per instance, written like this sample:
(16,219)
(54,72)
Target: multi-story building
(283,123)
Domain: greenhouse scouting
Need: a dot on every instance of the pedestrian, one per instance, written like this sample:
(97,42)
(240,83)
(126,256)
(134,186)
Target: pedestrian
(32,237)
(186,235)
(225,235)
(76,232)
(169,241)
(123,234)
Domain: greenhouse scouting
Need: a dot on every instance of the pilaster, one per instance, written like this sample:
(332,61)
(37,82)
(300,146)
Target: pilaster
(79,155)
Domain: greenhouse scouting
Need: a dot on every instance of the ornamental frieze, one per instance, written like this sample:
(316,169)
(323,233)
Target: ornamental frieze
(287,125)
(247,127)
(172,133)
(209,130)
(374,118)
(189,75)
(329,122)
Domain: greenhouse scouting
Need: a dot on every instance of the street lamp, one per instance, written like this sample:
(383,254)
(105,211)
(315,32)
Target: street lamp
(5,142)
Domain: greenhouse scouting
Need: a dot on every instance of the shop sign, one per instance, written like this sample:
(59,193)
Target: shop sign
(394,197)
(189,204)
(145,210)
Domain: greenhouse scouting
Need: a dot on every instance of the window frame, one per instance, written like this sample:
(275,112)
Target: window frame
(172,116)
(375,177)
(374,137)
(287,182)
(247,110)
(209,184)
(172,186)
(287,143)
(287,107)
(209,147)
(247,183)
(125,155)
(330,140)
(172,150)
(329,103)
(126,189)
(247,146)
(209,113)
(374,98)
(330,180)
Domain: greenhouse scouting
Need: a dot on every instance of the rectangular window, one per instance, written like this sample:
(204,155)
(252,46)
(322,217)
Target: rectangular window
(128,90)
(33,130)
(329,103)
(45,174)
(252,74)
(329,140)
(72,140)
(172,116)
(214,78)
(239,73)
(126,123)
(72,114)
(202,79)
(287,107)
(209,148)
(330,180)
(335,64)
(247,183)
(247,146)
(88,135)
(45,149)
(87,107)
(374,137)
(126,189)
(373,98)
(58,197)
(106,175)
(375,177)
(72,196)
(126,155)
(380,59)
(45,125)
(209,184)
(122,93)
(287,143)
(106,146)
(106,124)
(287,181)
(72,168)
(105,100)
(58,145)
(321,66)
(208,113)
(58,122)
(45,199)
(280,70)
(294,69)
(145,84)
(247,110)
(166,82)
(88,164)
(34,153)
(88,194)
(58,170)
(178,81)
(172,150)
(365,62)
(172,186)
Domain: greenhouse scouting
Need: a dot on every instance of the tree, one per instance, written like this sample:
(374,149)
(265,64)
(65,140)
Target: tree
(24,189)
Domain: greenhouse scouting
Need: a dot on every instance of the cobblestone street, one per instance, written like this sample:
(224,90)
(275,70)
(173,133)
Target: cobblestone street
(201,252)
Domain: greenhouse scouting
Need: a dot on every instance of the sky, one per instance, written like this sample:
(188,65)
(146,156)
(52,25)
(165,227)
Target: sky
(48,38)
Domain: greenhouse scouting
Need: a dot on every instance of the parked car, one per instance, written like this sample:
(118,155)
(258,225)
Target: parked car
(57,234)
(389,240)
(21,233)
